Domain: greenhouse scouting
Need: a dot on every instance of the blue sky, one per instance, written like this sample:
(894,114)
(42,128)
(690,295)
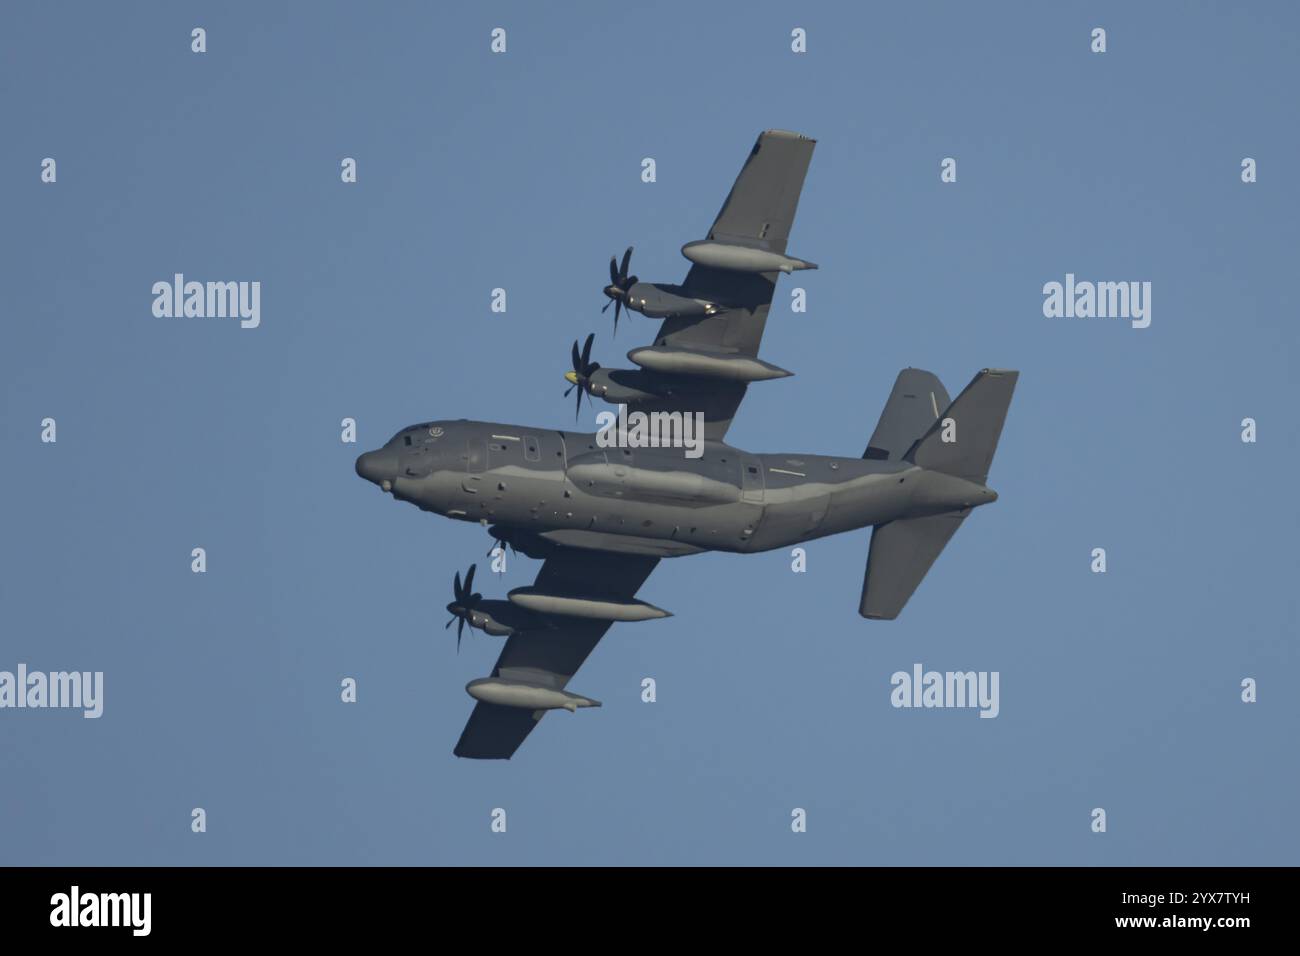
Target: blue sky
(521,171)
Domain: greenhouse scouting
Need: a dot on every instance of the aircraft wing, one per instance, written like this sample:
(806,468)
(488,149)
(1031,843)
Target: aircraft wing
(758,212)
(552,655)
(760,208)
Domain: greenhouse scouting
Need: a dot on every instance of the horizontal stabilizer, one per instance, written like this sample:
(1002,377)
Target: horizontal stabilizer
(901,554)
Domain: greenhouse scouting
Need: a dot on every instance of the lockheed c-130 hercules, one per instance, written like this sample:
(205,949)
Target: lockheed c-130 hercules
(601,518)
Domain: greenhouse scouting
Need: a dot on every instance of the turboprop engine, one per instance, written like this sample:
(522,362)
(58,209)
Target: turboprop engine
(652,299)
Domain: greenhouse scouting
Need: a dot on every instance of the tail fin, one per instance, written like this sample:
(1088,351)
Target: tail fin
(901,552)
(971,426)
(913,406)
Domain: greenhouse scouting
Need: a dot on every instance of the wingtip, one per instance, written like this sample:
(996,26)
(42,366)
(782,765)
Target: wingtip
(464,755)
(872,616)
(786,134)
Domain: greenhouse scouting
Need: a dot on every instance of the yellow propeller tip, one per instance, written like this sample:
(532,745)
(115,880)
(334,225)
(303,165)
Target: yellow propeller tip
(571,378)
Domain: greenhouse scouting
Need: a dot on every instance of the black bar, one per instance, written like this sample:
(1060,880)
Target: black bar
(205,905)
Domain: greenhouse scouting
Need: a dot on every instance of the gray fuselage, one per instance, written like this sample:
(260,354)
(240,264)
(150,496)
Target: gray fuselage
(564,488)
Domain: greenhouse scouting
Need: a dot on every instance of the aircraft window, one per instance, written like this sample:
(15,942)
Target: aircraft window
(753,470)
(408,440)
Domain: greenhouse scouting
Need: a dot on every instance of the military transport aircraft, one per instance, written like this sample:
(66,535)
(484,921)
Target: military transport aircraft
(601,518)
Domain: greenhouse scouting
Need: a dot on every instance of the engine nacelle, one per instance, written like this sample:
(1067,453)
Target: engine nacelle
(622,386)
(656,301)
(494,618)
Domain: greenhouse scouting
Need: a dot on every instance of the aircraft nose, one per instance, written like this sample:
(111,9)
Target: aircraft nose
(379,467)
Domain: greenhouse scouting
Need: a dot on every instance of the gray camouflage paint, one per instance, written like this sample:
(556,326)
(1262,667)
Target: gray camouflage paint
(726,500)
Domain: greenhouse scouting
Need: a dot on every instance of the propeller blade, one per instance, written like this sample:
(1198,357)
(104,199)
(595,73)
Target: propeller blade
(627,258)
(613,271)
(607,305)
(577,358)
(617,306)
(449,622)
(577,409)
(456,587)
(569,389)
(586,354)
(459,630)
(469,581)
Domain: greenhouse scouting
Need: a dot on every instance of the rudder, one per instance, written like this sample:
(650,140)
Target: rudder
(976,418)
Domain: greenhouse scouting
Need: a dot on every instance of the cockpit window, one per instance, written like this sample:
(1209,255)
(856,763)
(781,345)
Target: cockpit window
(413,436)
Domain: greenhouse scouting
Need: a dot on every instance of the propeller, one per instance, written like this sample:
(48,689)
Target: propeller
(619,284)
(463,606)
(583,369)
